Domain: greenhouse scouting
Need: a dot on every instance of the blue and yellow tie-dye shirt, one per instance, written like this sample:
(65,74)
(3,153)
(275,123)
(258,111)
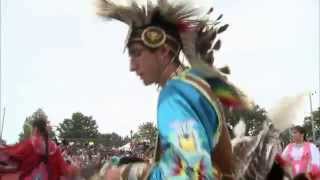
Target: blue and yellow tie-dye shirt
(188,123)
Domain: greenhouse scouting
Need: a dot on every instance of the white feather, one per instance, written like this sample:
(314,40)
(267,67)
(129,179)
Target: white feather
(240,129)
(286,112)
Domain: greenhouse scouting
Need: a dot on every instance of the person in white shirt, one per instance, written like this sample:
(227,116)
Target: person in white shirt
(301,156)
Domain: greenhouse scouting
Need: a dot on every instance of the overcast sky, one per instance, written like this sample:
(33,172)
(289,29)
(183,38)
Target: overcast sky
(58,56)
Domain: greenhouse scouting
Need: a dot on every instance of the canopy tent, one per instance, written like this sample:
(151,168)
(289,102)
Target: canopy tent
(126,147)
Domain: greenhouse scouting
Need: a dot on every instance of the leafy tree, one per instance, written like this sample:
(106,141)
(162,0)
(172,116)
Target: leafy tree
(253,119)
(79,128)
(147,132)
(285,137)
(308,124)
(26,129)
(126,140)
(112,140)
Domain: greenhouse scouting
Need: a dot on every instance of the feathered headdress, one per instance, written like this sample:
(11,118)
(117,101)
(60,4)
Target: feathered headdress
(179,26)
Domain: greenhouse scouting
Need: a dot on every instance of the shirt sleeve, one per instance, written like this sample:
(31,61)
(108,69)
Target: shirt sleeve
(18,151)
(187,124)
(315,155)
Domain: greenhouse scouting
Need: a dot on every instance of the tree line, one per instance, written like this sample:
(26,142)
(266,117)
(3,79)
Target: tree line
(83,129)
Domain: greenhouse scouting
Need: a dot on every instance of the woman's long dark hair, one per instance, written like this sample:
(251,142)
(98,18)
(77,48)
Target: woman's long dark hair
(41,125)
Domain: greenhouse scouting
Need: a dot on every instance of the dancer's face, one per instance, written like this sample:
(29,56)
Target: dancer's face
(297,137)
(145,63)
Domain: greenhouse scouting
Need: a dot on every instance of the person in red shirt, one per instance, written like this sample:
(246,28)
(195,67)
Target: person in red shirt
(36,156)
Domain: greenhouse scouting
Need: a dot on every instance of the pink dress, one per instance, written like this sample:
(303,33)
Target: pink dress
(303,158)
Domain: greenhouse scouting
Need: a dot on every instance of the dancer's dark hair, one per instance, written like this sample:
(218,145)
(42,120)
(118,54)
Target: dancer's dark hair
(41,124)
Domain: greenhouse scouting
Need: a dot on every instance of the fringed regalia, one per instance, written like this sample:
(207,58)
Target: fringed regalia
(193,139)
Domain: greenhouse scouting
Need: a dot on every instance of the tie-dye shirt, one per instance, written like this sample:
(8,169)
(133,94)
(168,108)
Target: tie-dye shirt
(188,122)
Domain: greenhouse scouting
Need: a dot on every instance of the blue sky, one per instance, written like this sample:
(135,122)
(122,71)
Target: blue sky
(58,56)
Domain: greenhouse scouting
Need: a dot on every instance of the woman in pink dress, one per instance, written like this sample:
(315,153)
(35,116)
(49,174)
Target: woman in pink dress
(301,156)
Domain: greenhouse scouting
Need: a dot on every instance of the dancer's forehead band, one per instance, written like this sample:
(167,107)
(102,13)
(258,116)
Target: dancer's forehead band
(154,37)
